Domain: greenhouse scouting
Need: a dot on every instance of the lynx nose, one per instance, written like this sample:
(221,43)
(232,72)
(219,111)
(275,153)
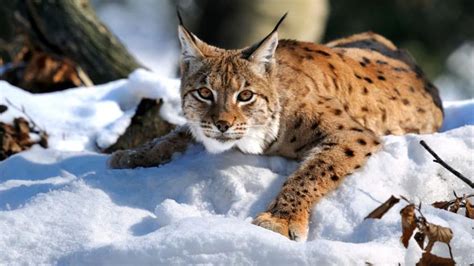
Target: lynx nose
(222,125)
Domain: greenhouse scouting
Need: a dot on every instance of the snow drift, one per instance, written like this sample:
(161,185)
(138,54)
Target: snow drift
(63,206)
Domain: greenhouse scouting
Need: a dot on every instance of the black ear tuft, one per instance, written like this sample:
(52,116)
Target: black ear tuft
(278,23)
(179,17)
(249,51)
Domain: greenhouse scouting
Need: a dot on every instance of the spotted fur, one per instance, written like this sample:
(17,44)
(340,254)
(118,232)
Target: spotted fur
(324,105)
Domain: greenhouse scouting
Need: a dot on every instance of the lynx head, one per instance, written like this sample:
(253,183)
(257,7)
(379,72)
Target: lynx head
(228,97)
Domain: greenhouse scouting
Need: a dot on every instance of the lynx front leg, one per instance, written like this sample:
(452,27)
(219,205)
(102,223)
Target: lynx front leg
(322,171)
(153,153)
(345,148)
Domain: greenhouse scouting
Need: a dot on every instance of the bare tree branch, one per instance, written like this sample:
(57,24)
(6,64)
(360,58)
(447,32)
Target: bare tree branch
(445,165)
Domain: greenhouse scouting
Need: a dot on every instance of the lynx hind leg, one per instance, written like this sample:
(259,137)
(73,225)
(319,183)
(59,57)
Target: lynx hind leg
(156,152)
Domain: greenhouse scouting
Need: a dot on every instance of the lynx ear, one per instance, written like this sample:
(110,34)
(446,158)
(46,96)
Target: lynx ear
(190,44)
(263,52)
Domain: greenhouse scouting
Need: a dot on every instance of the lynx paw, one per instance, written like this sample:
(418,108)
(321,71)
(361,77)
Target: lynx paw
(160,154)
(293,228)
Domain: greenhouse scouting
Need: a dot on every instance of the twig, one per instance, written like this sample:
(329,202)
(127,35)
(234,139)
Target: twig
(445,165)
(380,211)
(455,195)
(419,210)
(450,251)
(452,201)
(22,109)
(83,77)
(405,199)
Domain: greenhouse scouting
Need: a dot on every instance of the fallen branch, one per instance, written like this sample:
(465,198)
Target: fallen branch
(445,165)
(405,199)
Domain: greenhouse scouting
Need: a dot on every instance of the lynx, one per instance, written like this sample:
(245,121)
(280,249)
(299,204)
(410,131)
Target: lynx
(324,105)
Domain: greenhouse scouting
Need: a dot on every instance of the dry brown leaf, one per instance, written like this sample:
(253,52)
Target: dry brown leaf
(3,108)
(408,223)
(380,211)
(43,142)
(15,137)
(39,72)
(420,239)
(469,209)
(22,128)
(20,55)
(441,204)
(437,233)
(428,259)
(455,206)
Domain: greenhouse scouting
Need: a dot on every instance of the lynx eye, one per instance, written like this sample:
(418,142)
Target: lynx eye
(205,93)
(245,96)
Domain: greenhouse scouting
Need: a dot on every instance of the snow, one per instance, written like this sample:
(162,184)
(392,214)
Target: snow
(61,205)
(147,28)
(457,80)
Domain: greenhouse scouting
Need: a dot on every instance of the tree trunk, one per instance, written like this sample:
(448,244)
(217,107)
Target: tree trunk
(58,44)
(70,29)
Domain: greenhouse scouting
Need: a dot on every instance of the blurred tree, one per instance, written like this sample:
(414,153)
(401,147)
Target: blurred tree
(429,29)
(236,24)
(62,37)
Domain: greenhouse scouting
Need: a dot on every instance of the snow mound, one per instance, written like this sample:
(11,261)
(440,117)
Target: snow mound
(63,206)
